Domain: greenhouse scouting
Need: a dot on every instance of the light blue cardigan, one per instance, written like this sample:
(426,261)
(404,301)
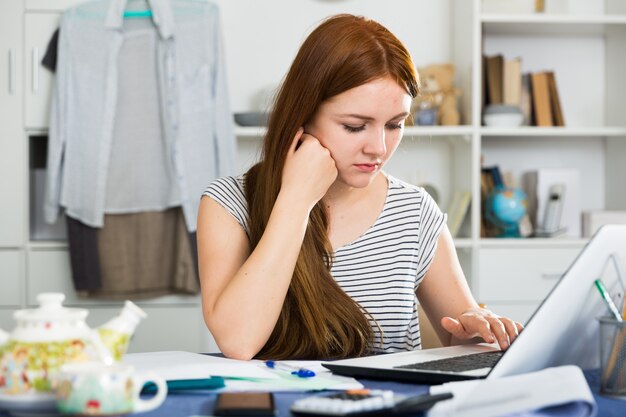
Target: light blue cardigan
(197,122)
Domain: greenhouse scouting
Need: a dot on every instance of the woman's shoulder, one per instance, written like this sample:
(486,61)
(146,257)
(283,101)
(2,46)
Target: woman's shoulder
(405,192)
(229,192)
(404,187)
(227,186)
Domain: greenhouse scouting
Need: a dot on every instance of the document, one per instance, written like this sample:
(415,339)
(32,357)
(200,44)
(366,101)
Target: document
(178,365)
(238,375)
(514,394)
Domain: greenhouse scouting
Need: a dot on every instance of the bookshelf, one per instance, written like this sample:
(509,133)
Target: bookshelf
(593,141)
(584,51)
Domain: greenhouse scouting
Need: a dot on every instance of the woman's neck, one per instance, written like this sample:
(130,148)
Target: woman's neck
(342,195)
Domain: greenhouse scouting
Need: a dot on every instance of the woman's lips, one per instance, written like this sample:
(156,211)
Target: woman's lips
(366,167)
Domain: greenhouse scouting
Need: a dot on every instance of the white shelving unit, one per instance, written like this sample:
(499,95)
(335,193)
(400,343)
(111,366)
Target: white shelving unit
(585,52)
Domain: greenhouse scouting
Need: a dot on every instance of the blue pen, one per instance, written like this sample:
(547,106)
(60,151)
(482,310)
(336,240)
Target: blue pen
(293,370)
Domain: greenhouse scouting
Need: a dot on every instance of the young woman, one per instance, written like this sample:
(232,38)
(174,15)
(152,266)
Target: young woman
(315,252)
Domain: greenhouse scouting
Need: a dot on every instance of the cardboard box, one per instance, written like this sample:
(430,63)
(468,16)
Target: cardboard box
(537,187)
(594,220)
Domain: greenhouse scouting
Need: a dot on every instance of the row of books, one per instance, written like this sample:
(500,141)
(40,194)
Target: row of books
(535,94)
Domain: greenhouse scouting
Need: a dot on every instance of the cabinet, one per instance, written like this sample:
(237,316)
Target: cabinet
(584,43)
(34,256)
(11,267)
(12,148)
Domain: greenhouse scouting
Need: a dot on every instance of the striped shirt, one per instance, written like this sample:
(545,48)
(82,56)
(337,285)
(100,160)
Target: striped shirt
(382,268)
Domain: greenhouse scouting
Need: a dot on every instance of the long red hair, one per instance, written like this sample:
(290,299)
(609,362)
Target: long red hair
(318,319)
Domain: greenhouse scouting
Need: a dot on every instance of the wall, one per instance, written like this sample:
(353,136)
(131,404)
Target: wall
(262,36)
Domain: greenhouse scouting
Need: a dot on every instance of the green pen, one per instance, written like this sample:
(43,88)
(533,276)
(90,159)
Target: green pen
(608,301)
(209,383)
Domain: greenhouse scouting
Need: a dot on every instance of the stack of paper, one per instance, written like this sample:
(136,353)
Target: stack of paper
(238,375)
(516,394)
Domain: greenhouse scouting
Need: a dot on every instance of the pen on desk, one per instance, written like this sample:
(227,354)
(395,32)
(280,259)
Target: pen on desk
(210,383)
(293,370)
(608,301)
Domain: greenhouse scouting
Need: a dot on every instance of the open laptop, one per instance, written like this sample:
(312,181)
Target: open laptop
(563,330)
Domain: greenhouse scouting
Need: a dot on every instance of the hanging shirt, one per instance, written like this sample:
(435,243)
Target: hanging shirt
(381,269)
(141,175)
(197,133)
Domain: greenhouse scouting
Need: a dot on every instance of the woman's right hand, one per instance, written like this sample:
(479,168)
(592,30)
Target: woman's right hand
(309,169)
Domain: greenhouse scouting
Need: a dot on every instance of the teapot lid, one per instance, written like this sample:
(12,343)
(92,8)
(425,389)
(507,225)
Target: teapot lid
(51,309)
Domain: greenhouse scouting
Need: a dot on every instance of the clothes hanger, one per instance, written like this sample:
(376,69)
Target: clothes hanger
(138,14)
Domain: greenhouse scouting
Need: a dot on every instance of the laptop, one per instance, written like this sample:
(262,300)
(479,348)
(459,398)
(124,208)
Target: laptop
(562,331)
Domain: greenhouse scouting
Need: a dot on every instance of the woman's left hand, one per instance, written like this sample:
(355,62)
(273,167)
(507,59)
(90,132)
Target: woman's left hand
(480,322)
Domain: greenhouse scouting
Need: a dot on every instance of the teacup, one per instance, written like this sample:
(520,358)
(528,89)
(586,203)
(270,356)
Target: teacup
(92,388)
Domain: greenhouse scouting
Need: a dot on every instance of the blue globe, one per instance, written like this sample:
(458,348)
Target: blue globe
(505,208)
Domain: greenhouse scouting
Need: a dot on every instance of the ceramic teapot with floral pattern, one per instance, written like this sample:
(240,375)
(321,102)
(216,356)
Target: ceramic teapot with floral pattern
(51,335)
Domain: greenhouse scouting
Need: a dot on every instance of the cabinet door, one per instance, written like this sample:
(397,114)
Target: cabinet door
(521,275)
(11,277)
(12,142)
(39,28)
(7,323)
(50,5)
(165,328)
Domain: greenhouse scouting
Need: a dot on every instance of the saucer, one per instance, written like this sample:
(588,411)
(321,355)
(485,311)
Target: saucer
(29,405)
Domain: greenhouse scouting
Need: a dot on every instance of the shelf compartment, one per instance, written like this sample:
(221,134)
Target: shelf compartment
(465,130)
(564,132)
(540,24)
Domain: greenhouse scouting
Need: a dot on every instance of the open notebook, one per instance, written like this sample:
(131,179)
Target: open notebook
(563,330)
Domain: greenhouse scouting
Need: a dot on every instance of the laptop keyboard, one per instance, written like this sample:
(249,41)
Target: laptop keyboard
(458,363)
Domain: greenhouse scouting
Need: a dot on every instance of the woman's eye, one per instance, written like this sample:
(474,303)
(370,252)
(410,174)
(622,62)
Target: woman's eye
(394,126)
(354,129)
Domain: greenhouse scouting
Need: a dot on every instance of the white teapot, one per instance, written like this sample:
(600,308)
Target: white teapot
(51,335)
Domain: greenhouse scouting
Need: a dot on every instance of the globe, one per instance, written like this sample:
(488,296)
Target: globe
(505,208)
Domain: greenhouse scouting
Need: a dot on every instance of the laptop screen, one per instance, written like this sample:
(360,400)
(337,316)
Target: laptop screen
(565,329)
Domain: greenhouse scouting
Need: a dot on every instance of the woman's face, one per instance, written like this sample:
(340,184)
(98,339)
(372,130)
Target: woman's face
(362,128)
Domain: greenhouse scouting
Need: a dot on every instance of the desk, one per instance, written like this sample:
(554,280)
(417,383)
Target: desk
(184,405)
(190,404)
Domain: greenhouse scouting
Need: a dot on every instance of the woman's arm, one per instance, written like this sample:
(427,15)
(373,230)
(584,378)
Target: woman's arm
(242,291)
(449,304)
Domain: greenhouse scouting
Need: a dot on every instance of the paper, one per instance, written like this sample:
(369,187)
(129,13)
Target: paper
(323,380)
(175,365)
(238,375)
(513,394)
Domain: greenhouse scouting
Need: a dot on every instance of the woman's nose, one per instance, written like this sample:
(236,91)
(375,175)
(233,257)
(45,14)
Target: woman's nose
(376,143)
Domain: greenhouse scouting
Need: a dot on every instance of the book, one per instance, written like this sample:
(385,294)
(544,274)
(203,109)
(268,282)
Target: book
(526,100)
(457,210)
(484,99)
(542,108)
(495,67)
(512,81)
(490,179)
(555,103)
